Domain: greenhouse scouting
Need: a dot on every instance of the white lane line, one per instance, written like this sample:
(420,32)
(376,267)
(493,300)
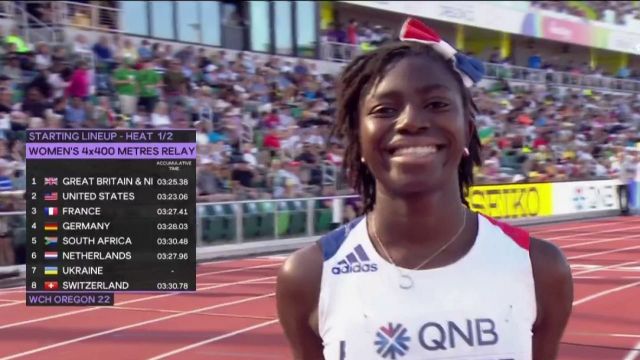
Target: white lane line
(633,354)
(137,324)
(603,252)
(17,302)
(559,227)
(604,293)
(615,229)
(608,267)
(600,241)
(214,339)
(236,270)
(69,313)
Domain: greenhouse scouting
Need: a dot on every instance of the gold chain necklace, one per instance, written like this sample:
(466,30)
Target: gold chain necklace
(406,281)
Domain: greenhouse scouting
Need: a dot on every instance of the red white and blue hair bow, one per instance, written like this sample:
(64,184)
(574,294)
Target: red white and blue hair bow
(469,68)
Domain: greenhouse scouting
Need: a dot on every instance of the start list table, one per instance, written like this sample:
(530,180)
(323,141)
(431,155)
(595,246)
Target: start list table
(109,211)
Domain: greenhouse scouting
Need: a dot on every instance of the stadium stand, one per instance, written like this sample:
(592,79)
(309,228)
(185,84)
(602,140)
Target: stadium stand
(613,12)
(263,125)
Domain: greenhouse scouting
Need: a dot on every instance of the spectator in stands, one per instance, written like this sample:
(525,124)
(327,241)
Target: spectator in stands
(80,82)
(59,80)
(104,114)
(242,174)
(160,116)
(128,51)
(81,44)
(35,104)
(495,57)
(104,54)
(175,83)
(535,61)
(145,52)
(43,57)
(207,182)
(76,113)
(149,85)
(15,39)
(12,68)
(126,85)
(352,32)
(59,56)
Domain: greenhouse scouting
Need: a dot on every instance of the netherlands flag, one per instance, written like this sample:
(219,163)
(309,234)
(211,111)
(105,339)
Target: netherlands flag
(51,255)
(51,211)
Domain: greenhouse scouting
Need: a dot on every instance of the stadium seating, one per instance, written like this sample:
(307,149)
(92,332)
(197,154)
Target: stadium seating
(279,149)
(615,12)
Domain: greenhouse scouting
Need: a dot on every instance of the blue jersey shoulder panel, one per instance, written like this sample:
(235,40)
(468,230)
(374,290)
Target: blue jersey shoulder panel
(331,242)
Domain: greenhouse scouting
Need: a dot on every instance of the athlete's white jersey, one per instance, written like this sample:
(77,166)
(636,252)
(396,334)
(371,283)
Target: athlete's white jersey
(481,307)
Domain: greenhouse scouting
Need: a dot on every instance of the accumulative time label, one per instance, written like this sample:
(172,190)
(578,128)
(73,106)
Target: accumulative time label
(109,211)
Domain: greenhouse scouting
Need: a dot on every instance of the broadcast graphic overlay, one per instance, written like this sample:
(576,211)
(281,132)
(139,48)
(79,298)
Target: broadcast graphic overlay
(109,211)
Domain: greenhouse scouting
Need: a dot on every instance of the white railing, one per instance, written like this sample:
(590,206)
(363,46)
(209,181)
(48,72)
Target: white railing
(7,9)
(339,52)
(84,16)
(32,29)
(596,82)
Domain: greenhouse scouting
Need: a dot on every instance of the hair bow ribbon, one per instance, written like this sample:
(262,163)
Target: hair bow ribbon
(469,68)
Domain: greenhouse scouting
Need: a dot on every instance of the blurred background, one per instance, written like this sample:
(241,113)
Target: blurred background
(561,99)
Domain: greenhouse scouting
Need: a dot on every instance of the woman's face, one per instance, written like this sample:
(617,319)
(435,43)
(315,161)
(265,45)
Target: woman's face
(412,127)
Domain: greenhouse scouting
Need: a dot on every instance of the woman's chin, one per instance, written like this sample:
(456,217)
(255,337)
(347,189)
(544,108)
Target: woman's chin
(413,185)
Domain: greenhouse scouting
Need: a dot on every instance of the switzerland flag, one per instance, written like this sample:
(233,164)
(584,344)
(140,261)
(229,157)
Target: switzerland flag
(51,285)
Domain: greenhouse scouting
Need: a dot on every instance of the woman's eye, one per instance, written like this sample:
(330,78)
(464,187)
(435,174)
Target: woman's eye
(438,105)
(383,111)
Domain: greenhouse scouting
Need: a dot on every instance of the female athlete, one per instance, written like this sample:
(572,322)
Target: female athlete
(420,276)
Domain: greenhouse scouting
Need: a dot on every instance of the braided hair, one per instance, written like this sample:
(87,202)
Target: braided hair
(359,77)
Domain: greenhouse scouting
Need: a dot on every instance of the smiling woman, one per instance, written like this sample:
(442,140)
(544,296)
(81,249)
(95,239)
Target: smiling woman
(420,275)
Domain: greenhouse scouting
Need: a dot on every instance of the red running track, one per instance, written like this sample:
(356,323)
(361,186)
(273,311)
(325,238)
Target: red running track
(232,315)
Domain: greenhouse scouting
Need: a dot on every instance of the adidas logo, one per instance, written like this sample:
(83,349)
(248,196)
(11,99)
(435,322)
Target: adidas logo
(355,262)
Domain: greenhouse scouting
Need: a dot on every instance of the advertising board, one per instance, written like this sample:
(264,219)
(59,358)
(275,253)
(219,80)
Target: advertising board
(585,196)
(511,201)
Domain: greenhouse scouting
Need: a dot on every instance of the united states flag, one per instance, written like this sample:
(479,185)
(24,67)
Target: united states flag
(52,196)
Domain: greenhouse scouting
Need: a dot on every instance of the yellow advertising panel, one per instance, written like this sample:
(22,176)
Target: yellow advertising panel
(510,201)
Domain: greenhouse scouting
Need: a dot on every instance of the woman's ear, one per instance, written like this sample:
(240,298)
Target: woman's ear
(468,134)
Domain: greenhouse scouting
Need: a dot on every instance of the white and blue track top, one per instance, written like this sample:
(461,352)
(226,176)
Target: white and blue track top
(482,307)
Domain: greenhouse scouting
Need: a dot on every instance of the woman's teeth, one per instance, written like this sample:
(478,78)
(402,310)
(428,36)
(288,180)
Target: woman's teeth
(415,150)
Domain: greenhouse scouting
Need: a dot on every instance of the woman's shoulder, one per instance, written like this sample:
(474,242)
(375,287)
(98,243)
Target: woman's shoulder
(298,282)
(553,287)
(302,270)
(549,264)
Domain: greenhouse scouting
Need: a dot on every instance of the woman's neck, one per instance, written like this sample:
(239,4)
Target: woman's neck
(408,220)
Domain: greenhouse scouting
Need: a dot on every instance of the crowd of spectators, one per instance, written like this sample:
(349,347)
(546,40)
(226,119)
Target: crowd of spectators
(614,12)
(263,123)
(262,127)
(542,135)
(363,36)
